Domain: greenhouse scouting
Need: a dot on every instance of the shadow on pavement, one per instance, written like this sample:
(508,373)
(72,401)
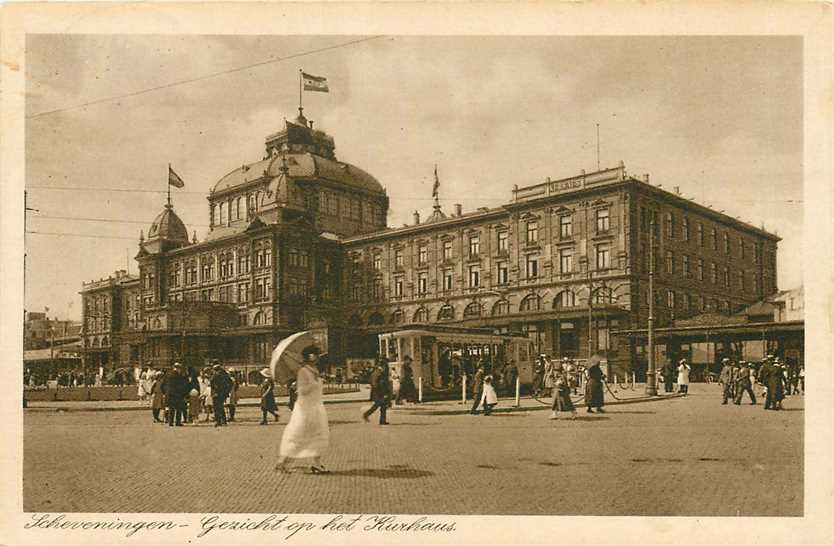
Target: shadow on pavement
(395,471)
(634,412)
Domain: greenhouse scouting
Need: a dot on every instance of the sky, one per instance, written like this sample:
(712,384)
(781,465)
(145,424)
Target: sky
(719,117)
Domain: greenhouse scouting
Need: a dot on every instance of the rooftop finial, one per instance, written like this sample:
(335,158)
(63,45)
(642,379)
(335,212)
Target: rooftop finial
(435,192)
(194,239)
(141,235)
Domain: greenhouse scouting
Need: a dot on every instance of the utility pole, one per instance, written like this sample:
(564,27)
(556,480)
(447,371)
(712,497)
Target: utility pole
(651,374)
(590,313)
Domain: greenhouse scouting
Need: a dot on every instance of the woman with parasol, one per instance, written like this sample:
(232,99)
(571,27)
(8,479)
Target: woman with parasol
(307,435)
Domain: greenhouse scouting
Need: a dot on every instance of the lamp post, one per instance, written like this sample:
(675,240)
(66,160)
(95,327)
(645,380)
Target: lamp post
(651,373)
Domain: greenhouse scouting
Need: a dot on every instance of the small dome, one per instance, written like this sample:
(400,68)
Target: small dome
(168,225)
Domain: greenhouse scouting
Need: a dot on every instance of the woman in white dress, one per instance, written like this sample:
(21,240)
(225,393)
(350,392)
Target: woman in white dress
(307,435)
(683,377)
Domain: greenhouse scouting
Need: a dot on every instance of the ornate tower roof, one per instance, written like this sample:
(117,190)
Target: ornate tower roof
(167,225)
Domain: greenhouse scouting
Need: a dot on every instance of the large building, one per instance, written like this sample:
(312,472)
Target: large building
(299,239)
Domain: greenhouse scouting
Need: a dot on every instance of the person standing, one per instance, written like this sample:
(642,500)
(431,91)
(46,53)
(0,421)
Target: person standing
(193,396)
(764,379)
(477,389)
(561,393)
(407,391)
(683,376)
(268,404)
(394,377)
(380,392)
(775,385)
(221,384)
(726,379)
(292,392)
(232,400)
(157,398)
(489,398)
(668,376)
(594,397)
(176,391)
(307,435)
(744,383)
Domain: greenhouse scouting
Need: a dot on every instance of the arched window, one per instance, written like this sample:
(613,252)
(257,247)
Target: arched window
(222,213)
(259,318)
(397,317)
(501,307)
(604,295)
(105,341)
(376,319)
(355,321)
(421,315)
(565,298)
(447,312)
(474,309)
(237,208)
(212,216)
(531,303)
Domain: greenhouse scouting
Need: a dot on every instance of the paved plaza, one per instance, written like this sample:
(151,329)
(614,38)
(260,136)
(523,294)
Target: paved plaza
(681,456)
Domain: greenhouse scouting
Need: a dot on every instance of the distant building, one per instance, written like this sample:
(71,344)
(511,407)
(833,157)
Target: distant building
(39,331)
(299,239)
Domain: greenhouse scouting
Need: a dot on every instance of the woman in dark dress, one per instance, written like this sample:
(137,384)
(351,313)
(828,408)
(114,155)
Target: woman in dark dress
(776,386)
(594,397)
(268,404)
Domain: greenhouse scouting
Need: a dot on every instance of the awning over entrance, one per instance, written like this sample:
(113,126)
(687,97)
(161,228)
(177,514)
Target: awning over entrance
(747,330)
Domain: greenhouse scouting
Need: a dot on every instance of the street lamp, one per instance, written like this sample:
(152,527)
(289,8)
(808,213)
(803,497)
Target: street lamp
(651,377)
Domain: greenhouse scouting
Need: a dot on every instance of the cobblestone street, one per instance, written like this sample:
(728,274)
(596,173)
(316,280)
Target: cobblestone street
(684,456)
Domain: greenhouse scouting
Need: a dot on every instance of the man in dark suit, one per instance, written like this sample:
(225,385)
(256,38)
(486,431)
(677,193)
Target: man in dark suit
(176,390)
(380,392)
(221,385)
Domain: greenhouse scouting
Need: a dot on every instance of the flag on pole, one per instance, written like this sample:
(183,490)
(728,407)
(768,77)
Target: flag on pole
(435,192)
(314,83)
(174,179)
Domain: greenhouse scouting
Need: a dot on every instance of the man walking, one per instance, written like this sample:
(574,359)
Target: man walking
(668,376)
(380,392)
(221,384)
(744,383)
(726,379)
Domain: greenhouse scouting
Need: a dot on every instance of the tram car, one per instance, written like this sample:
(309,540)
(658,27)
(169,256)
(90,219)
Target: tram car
(442,355)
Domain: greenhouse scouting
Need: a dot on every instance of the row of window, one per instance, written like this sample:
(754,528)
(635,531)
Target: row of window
(692,303)
(350,208)
(531,303)
(672,231)
(671,268)
(234,208)
(228,264)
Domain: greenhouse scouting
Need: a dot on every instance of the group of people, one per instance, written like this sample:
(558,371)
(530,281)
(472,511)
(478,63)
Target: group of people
(453,366)
(671,373)
(772,373)
(183,395)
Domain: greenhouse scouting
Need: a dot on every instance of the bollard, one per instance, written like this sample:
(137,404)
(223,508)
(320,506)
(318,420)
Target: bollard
(633,379)
(517,392)
(420,389)
(463,390)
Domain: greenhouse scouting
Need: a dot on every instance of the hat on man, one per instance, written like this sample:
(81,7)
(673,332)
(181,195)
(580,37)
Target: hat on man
(177,365)
(266,373)
(725,360)
(217,366)
(231,370)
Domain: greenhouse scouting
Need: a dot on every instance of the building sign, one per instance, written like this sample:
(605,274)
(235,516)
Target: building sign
(565,185)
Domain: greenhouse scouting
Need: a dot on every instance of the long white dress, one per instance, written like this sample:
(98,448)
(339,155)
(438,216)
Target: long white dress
(307,435)
(683,374)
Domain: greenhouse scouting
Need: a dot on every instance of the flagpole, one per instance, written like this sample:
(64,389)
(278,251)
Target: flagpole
(169,184)
(300,104)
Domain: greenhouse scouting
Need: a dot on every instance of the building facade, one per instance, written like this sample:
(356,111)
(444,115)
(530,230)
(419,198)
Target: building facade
(300,240)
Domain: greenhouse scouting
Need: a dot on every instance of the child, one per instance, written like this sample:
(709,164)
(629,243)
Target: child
(194,405)
(489,398)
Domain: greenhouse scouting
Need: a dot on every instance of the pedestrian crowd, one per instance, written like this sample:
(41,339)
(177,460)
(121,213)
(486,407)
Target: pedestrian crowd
(776,377)
(180,396)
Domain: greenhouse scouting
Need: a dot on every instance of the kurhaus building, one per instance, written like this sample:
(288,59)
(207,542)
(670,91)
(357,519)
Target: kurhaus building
(300,240)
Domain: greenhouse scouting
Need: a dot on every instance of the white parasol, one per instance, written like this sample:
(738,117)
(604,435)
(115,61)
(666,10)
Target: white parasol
(286,358)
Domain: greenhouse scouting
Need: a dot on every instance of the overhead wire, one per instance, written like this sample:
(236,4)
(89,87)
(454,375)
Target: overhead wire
(204,77)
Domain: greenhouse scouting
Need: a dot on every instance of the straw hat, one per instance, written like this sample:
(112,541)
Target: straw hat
(266,373)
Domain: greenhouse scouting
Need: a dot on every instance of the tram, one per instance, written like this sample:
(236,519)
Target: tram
(441,355)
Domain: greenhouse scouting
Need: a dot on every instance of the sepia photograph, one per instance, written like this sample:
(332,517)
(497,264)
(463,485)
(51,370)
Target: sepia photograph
(398,278)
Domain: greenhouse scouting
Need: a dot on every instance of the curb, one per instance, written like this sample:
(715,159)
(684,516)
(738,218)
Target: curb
(148,408)
(542,407)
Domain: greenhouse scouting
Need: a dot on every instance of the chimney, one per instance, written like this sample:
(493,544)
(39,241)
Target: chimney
(458,209)
(677,190)
(646,178)
(311,124)
(416,217)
